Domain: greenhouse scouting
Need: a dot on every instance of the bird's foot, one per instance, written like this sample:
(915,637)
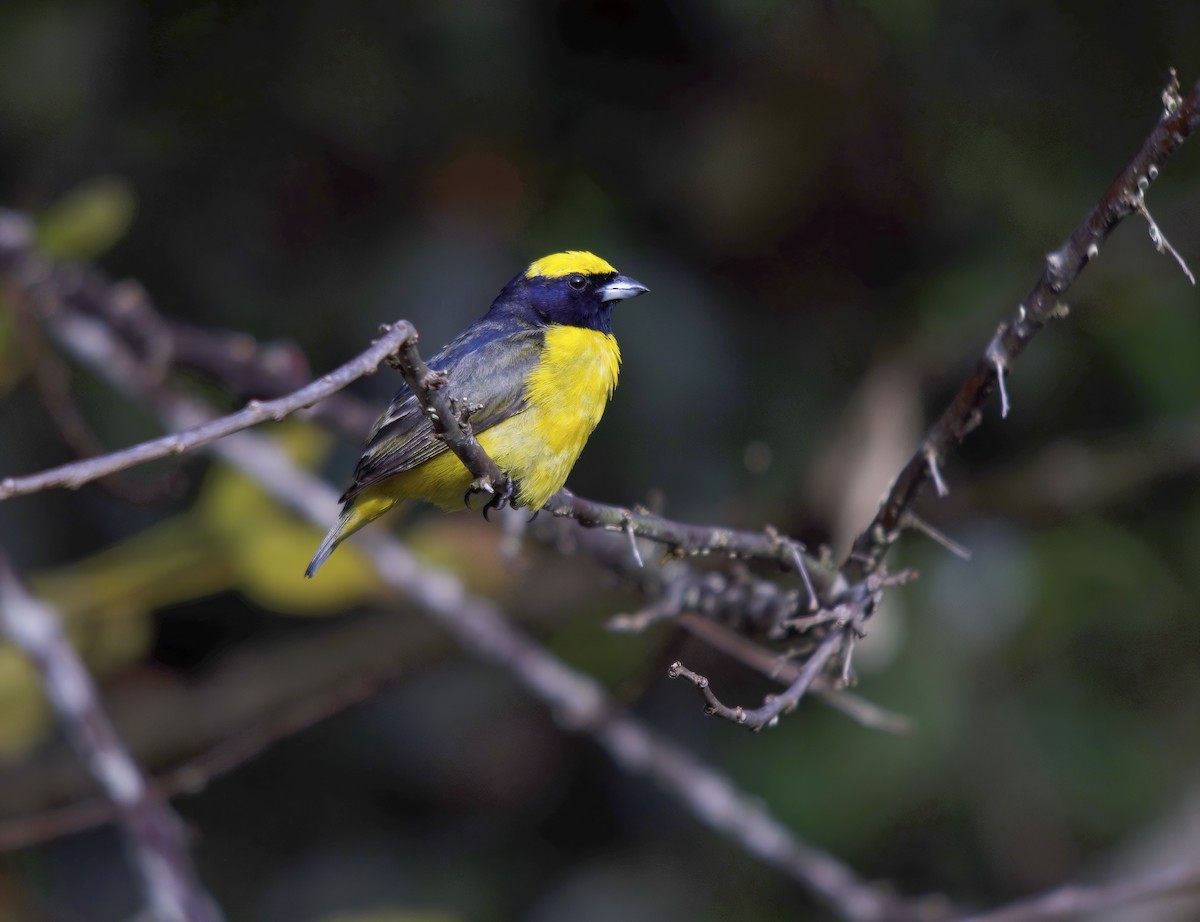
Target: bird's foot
(497,499)
(480,486)
(505,497)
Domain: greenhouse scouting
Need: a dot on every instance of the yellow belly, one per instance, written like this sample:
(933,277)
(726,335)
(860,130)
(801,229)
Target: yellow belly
(565,395)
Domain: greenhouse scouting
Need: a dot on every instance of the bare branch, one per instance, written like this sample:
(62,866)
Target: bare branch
(783,670)
(78,473)
(81,314)
(154,833)
(1077,899)
(1122,198)
(250,700)
(776,705)
(843,624)
(684,540)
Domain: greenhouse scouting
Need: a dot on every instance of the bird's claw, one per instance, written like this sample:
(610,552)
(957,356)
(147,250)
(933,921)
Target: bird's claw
(478,485)
(498,500)
(503,498)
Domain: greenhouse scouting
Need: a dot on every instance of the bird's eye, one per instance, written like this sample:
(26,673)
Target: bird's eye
(577,282)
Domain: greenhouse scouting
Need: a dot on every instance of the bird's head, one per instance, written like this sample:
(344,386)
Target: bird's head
(575,288)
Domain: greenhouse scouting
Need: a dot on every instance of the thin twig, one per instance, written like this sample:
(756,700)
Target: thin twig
(74,475)
(1159,239)
(914,522)
(686,540)
(846,620)
(785,671)
(154,833)
(668,605)
(52,380)
(776,705)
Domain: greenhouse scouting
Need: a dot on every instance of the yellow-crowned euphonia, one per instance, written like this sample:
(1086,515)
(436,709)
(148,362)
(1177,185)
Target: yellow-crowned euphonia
(540,366)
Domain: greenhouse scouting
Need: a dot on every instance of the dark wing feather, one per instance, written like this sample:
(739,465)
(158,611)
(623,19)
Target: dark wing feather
(486,365)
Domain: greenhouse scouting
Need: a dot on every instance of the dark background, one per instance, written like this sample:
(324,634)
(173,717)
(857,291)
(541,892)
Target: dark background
(833,204)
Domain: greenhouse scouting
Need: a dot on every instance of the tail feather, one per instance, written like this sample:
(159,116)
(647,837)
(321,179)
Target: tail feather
(363,508)
(333,538)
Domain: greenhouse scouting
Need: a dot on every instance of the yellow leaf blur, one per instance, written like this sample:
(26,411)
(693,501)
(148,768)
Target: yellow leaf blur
(396,915)
(24,711)
(88,220)
(11,367)
(267,546)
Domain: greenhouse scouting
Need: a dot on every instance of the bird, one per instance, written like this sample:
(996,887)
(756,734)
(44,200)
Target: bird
(537,371)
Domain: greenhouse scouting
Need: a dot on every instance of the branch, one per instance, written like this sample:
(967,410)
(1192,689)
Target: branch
(82,311)
(154,833)
(1125,196)
(776,705)
(74,475)
(784,670)
(51,379)
(125,308)
(1076,899)
(733,596)
(842,624)
(450,421)
(249,685)
(577,700)
(684,540)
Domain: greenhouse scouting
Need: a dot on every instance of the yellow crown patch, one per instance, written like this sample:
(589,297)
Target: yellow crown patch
(568,263)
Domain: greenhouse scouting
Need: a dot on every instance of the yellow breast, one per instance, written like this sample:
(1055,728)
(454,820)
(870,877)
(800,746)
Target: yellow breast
(566,395)
(565,398)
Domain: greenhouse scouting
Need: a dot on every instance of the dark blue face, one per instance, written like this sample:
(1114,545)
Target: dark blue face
(573,288)
(578,299)
(575,300)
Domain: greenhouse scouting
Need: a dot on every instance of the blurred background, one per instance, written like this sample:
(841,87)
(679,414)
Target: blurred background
(833,203)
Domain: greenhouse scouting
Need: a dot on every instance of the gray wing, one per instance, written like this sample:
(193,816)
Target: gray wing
(486,366)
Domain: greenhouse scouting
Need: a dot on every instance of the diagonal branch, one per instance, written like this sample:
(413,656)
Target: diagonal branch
(154,833)
(74,475)
(1074,900)
(1125,196)
(449,420)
